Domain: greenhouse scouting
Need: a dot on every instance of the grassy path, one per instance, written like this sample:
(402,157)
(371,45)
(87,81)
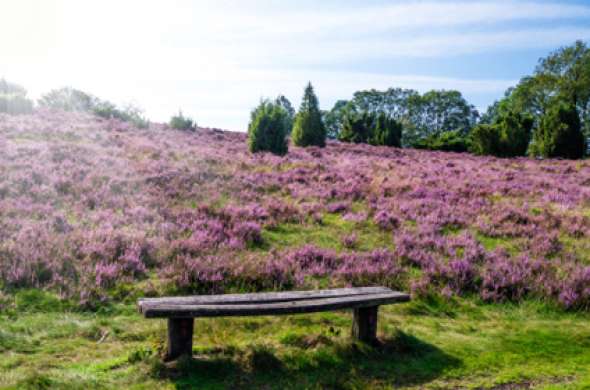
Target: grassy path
(425,345)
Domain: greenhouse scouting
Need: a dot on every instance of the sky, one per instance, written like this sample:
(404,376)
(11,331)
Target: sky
(215,60)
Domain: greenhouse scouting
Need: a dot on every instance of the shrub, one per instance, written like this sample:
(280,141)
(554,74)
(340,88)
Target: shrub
(309,129)
(68,99)
(485,139)
(268,129)
(373,128)
(509,136)
(559,133)
(386,131)
(449,141)
(13,99)
(108,110)
(180,122)
(356,127)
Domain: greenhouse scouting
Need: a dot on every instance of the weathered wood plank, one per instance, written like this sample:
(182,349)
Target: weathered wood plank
(256,298)
(180,337)
(364,324)
(156,309)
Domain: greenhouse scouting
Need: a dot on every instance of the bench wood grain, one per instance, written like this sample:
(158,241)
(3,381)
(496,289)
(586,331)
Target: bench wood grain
(181,311)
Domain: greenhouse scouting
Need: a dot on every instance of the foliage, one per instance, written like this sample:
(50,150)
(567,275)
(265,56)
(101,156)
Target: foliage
(268,128)
(356,127)
(309,129)
(508,135)
(283,102)
(68,99)
(180,122)
(372,128)
(559,133)
(421,116)
(130,113)
(13,99)
(448,141)
(334,118)
(564,75)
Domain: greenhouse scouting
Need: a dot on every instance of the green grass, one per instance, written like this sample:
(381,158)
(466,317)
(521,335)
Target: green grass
(437,344)
(329,234)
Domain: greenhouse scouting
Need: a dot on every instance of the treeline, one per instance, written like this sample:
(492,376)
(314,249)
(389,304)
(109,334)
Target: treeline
(14,100)
(546,115)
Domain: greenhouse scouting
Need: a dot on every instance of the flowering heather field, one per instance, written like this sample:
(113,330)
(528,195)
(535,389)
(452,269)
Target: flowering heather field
(97,210)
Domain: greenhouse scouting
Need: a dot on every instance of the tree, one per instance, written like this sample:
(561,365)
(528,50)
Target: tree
(559,133)
(441,111)
(333,119)
(68,99)
(421,116)
(386,131)
(377,129)
(267,130)
(508,135)
(309,130)
(514,130)
(357,127)
(180,122)
(13,99)
(283,102)
(564,73)
(485,140)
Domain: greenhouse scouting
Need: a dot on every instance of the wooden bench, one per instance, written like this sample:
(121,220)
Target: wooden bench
(181,311)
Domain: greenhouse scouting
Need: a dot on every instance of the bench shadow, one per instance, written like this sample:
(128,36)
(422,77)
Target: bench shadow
(401,360)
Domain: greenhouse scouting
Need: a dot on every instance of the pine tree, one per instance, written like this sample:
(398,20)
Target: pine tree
(309,129)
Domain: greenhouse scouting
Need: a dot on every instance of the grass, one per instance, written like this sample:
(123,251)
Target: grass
(329,234)
(437,344)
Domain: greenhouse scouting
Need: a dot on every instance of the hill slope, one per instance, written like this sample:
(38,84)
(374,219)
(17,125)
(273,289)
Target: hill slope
(87,204)
(94,213)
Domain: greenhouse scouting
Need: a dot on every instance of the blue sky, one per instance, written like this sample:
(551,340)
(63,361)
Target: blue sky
(216,59)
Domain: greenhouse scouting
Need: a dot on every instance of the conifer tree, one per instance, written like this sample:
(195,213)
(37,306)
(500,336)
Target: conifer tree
(309,129)
(268,129)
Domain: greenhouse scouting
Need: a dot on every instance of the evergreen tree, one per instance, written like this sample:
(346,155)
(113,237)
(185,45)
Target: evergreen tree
(559,133)
(309,129)
(356,127)
(386,131)
(268,129)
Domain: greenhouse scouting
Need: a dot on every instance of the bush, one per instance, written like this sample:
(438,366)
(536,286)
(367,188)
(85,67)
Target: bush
(108,110)
(356,127)
(509,136)
(449,141)
(180,122)
(68,99)
(559,133)
(309,129)
(267,130)
(372,128)
(13,99)
(386,131)
(485,139)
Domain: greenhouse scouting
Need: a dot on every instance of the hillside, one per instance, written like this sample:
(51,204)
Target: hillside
(95,213)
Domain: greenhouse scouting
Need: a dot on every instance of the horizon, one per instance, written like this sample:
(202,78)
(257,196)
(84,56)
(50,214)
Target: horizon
(216,60)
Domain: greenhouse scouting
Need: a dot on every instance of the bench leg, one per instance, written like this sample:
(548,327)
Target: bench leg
(364,324)
(180,337)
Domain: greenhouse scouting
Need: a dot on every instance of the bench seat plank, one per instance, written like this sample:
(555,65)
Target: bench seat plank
(165,309)
(269,297)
